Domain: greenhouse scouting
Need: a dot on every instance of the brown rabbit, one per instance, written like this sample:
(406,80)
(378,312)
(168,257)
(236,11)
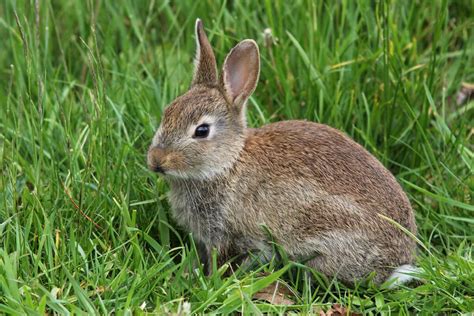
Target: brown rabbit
(316,191)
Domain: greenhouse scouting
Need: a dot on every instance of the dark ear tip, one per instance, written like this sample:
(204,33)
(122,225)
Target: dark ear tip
(199,25)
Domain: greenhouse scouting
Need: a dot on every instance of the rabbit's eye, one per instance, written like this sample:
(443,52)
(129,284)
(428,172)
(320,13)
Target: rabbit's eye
(202,131)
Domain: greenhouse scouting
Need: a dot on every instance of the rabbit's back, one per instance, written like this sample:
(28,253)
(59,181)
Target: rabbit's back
(322,161)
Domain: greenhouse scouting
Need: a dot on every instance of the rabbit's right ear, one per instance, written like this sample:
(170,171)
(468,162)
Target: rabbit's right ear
(241,72)
(205,70)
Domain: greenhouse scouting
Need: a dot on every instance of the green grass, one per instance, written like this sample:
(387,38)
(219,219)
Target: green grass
(82,88)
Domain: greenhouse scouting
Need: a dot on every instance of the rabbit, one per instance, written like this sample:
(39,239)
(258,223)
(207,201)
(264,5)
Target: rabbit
(318,193)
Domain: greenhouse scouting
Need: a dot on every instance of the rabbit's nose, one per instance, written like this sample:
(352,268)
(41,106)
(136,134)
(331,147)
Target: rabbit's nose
(154,159)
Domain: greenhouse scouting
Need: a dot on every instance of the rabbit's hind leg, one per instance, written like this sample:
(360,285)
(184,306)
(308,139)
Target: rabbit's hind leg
(348,256)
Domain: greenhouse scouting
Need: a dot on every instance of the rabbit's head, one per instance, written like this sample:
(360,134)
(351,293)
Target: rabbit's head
(203,131)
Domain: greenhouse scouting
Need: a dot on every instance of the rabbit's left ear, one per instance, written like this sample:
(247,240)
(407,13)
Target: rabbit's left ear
(241,72)
(205,70)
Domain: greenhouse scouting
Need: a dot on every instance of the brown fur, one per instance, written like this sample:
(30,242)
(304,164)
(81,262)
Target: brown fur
(318,192)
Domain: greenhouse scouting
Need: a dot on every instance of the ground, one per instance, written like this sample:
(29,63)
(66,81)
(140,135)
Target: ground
(85,227)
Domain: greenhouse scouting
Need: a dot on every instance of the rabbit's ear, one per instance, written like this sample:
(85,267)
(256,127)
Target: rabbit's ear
(241,71)
(205,70)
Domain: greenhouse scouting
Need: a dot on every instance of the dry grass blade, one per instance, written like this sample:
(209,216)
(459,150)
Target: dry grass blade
(466,93)
(276,293)
(338,310)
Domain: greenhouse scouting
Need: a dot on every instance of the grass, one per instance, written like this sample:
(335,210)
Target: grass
(85,228)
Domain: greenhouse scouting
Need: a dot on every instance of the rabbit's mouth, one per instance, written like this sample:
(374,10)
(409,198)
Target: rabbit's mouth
(157,169)
(155,166)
